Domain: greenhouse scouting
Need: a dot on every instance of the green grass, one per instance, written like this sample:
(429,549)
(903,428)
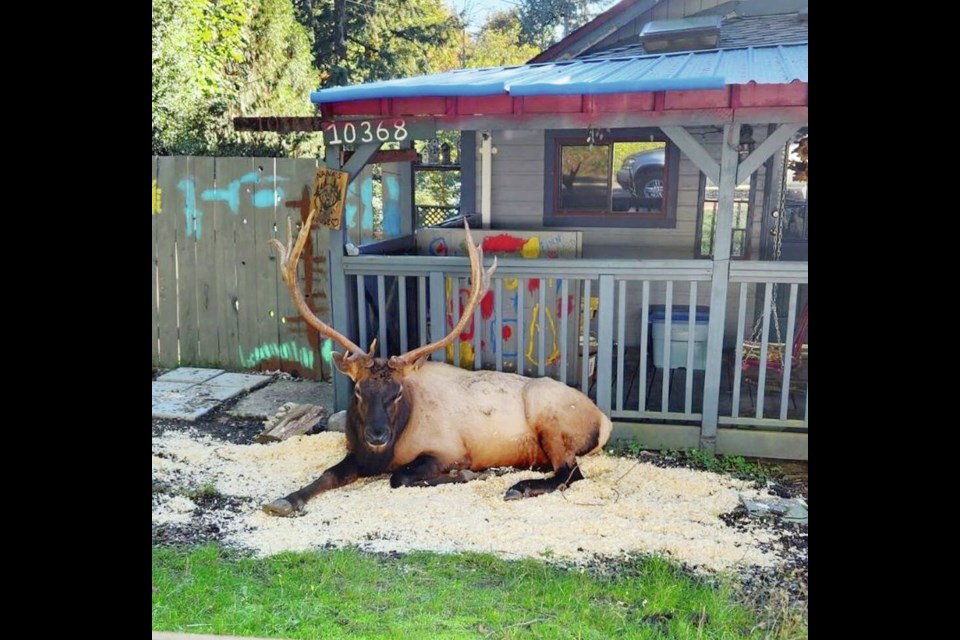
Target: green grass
(351,594)
(736,466)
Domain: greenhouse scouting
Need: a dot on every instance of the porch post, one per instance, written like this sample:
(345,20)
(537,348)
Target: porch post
(718,289)
(340,307)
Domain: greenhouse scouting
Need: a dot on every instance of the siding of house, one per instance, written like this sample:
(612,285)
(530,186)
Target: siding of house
(517,203)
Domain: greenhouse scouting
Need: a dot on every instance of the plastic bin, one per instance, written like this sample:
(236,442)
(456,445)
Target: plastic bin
(679,332)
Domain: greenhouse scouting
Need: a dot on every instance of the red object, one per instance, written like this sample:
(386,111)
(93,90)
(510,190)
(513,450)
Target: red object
(503,242)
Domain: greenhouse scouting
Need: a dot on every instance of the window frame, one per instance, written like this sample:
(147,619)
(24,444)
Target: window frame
(556,138)
(702,200)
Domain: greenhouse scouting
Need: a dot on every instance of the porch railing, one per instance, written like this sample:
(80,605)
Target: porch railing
(590,323)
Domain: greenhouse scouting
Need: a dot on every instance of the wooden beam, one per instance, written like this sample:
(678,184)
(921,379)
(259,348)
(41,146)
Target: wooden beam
(718,287)
(389,155)
(767,148)
(359,159)
(694,150)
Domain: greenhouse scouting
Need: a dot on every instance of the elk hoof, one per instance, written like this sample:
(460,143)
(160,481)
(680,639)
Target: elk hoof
(513,494)
(281,507)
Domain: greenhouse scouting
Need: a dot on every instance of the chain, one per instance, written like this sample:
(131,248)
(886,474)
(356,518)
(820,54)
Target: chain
(777,249)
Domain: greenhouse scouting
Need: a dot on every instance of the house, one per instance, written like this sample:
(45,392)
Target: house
(644,163)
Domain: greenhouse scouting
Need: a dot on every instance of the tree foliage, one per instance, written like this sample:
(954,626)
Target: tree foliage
(498,43)
(217,59)
(357,42)
(540,19)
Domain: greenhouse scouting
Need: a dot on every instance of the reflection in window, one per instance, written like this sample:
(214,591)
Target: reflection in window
(612,177)
(708,215)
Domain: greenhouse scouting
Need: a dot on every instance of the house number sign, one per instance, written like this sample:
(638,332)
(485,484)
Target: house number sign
(388,130)
(366,131)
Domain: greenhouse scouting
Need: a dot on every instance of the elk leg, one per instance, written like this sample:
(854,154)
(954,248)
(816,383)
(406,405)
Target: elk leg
(562,457)
(563,476)
(428,471)
(342,473)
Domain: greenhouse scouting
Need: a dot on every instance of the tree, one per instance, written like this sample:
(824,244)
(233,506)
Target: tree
(217,59)
(498,43)
(539,19)
(357,42)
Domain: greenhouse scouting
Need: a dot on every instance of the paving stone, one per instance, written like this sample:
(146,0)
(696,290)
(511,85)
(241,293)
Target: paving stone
(246,381)
(181,408)
(265,402)
(190,374)
(170,387)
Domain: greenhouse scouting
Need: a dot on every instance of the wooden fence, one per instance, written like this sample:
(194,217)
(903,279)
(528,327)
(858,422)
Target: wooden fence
(218,299)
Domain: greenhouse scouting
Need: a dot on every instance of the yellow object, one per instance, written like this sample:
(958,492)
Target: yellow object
(531,248)
(156,198)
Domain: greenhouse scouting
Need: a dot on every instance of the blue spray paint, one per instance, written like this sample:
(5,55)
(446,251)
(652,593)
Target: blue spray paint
(350,207)
(194,216)
(262,199)
(391,206)
(366,202)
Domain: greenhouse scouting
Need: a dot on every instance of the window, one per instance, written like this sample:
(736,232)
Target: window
(610,178)
(437,179)
(742,215)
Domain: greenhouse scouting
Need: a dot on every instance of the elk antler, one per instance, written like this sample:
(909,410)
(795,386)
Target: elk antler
(289,256)
(480,283)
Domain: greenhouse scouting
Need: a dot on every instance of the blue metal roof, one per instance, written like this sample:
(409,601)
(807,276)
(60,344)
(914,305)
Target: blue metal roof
(683,70)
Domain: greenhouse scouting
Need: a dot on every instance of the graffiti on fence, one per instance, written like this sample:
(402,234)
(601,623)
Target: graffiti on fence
(288,351)
(194,216)
(156,198)
(260,198)
(314,272)
(284,341)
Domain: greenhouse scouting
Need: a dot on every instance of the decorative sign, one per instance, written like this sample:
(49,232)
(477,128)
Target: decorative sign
(329,195)
(386,130)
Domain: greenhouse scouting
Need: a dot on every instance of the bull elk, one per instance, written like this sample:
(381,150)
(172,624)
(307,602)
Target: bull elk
(429,423)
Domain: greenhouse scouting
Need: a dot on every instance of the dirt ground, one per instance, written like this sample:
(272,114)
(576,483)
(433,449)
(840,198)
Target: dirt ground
(210,478)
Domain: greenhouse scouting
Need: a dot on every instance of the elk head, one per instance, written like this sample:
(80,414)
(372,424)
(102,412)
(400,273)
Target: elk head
(379,409)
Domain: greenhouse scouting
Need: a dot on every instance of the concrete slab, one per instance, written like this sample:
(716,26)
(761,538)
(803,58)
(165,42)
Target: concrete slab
(245,381)
(180,408)
(221,394)
(190,374)
(265,402)
(170,387)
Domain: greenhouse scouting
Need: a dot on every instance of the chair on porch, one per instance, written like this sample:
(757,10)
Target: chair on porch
(775,366)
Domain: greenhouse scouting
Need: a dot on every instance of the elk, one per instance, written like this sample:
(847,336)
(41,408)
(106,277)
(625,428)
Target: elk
(428,423)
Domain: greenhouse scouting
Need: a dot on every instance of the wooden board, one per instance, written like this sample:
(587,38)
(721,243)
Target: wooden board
(240,170)
(264,200)
(171,207)
(156,210)
(208,347)
(226,286)
(189,226)
(300,343)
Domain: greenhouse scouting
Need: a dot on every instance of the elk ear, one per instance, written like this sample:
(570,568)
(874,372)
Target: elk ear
(399,364)
(346,366)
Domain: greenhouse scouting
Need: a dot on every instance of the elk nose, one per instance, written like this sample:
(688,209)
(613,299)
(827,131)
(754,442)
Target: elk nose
(377,439)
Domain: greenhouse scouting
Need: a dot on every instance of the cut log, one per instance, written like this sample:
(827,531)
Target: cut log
(291,420)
